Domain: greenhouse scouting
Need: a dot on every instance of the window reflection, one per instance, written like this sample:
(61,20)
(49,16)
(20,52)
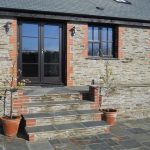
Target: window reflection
(100,41)
(30,30)
(90,49)
(110,35)
(90,33)
(29,44)
(96,34)
(29,57)
(51,31)
(96,49)
(104,48)
(51,44)
(104,34)
(30,70)
(51,57)
(51,70)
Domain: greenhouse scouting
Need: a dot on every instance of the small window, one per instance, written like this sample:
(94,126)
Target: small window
(122,1)
(100,41)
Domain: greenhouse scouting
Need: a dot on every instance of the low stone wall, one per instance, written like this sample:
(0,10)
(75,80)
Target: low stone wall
(131,102)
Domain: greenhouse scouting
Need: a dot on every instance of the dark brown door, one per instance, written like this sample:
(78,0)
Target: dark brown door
(40,52)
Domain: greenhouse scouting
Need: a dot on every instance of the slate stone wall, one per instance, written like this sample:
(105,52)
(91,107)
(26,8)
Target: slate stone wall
(8,53)
(131,67)
(8,48)
(131,102)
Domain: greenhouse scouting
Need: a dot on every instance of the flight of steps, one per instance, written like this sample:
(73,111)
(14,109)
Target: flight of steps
(62,115)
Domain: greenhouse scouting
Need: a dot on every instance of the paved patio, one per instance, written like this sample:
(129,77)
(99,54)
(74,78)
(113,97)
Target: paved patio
(133,135)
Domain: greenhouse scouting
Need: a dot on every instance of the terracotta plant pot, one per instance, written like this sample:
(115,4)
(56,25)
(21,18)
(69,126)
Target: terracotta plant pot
(10,126)
(110,116)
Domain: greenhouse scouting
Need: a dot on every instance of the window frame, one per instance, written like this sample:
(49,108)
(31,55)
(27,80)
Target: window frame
(114,41)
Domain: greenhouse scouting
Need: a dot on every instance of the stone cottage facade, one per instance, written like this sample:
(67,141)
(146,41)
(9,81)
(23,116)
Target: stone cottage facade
(76,63)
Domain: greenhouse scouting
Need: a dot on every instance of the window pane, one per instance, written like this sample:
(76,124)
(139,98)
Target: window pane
(90,49)
(110,34)
(51,44)
(30,57)
(90,33)
(29,44)
(51,57)
(104,49)
(100,41)
(104,34)
(51,70)
(96,34)
(30,30)
(110,49)
(96,49)
(30,70)
(51,31)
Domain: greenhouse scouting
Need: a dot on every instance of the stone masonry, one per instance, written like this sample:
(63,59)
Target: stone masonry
(132,67)
(8,53)
(130,102)
(8,48)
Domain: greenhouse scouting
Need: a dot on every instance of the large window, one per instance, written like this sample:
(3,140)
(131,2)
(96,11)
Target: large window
(101,41)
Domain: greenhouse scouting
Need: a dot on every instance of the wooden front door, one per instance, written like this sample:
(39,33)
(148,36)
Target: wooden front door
(41,52)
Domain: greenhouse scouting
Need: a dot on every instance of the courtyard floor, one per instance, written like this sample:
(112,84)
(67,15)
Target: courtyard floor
(133,135)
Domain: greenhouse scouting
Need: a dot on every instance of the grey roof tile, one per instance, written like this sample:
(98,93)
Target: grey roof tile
(139,9)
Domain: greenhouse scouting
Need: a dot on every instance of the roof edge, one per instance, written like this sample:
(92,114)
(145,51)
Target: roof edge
(73,15)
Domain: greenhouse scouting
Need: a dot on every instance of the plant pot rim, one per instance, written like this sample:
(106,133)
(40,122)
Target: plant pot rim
(109,110)
(16,117)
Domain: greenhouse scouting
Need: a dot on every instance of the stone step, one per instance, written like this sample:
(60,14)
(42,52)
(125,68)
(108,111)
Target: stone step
(53,118)
(67,130)
(55,97)
(58,106)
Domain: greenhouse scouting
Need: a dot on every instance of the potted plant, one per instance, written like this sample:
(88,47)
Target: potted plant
(11,122)
(107,88)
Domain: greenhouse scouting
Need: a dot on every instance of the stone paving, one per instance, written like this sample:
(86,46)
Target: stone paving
(127,135)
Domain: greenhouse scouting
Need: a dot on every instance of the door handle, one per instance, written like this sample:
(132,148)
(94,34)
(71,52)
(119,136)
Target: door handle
(43,51)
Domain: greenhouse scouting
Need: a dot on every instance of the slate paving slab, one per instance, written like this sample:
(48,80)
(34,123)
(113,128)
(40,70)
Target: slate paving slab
(118,147)
(104,136)
(136,130)
(121,137)
(16,145)
(83,147)
(111,142)
(147,143)
(68,126)
(128,144)
(86,141)
(101,146)
(41,146)
(141,137)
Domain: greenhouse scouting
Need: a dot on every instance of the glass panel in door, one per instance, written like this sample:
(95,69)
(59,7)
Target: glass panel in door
(51,52)
(29,51)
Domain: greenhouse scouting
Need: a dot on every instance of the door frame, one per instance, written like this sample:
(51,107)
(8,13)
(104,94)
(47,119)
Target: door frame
(63,60)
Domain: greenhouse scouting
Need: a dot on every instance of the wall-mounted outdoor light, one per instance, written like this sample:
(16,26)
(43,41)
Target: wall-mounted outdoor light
(73,31)
(7,26)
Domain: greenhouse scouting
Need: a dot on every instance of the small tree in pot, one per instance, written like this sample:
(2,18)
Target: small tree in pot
(11,122)
(107,89)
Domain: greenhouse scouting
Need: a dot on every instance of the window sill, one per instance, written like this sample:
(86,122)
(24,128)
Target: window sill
(100,58)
